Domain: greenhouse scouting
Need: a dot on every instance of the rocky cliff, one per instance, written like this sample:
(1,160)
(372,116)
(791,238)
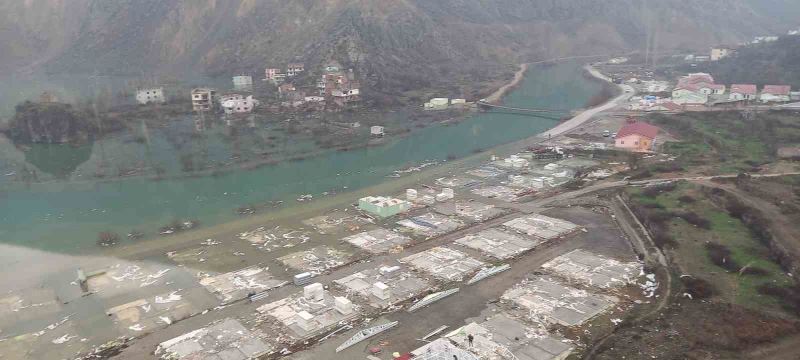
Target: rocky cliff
(396,45)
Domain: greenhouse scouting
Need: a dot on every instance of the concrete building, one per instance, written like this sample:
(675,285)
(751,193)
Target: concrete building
(274,75)
(383,206)
(203,99)
(718,53)
(378,131)
(712,89)
(637,137)
(689,95)
(346,96)
(333,66)
(242,81)
(238,104)
(437,104)
(285,89)
(741,92)
(294,69)
(151,95)
(776,93)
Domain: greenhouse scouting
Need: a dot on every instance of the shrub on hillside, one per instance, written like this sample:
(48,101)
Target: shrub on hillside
(698,288)
(720,255)
(696,220)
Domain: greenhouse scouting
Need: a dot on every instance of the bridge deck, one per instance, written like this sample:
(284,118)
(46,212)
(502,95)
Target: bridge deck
(532,110)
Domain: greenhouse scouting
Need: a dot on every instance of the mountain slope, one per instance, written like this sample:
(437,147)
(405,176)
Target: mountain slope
(397,45)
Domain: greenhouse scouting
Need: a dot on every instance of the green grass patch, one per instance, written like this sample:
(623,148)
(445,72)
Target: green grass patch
(692,253)
(729,141)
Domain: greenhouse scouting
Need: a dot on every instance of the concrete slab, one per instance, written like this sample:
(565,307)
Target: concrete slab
(282,316)
(224,340)
(498,243)
(337,222)
(546,301)
(457,181)
(472,211)
(208,254)
(540,226)
(431,224)
(240,284)
(378,241)
(502,337)
(499,192)
(403,285)
(271,239)
(442,349)
(146,315)
(317,260)
(594,270)
(27,304)
(443,263)
(486,171)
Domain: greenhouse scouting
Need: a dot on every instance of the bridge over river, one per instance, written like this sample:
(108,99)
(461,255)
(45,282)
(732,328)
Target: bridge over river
(483,104)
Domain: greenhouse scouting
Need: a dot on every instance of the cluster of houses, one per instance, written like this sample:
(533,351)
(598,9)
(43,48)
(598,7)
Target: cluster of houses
(337,89)
(700,89)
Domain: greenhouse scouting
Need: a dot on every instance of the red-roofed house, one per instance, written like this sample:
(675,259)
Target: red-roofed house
(696,78)
(742,92)
(776,93)
(689,94)
(637,136)
(709,89)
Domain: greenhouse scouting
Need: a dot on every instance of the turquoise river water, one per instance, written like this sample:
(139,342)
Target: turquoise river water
(65,216)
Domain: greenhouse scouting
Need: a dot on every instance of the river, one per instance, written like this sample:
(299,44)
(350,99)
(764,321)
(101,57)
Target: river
(66,216)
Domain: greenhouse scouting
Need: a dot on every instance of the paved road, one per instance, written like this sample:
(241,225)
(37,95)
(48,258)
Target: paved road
(627,92)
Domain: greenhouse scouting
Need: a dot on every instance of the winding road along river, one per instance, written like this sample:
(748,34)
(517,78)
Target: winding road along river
(66,216)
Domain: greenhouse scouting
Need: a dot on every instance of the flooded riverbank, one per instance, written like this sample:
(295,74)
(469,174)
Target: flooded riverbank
(66,217)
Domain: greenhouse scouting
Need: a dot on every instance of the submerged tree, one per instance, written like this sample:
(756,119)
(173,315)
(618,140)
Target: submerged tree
(107,238)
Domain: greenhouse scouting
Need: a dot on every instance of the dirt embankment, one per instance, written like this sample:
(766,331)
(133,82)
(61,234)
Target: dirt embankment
(497,96)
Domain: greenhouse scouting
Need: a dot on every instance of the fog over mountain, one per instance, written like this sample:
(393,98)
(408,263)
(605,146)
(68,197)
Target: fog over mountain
(396,45)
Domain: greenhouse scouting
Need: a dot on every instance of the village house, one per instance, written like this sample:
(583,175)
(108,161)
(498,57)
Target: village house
(238,104)
(437,104)
(274,75)
(150,95)
(694,89)
(242,80)
(285,89)
(294,69)
(377,131)
(776,93)
(333,67)
(712,89)
(741,92)
(689,95)
(203,99)
(637,137)
(344,97)
(718,53)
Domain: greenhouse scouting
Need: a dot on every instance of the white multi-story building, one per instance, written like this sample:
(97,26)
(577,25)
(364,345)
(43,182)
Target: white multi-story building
(203,99)
(295,69)
(238,104)
(150,95)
